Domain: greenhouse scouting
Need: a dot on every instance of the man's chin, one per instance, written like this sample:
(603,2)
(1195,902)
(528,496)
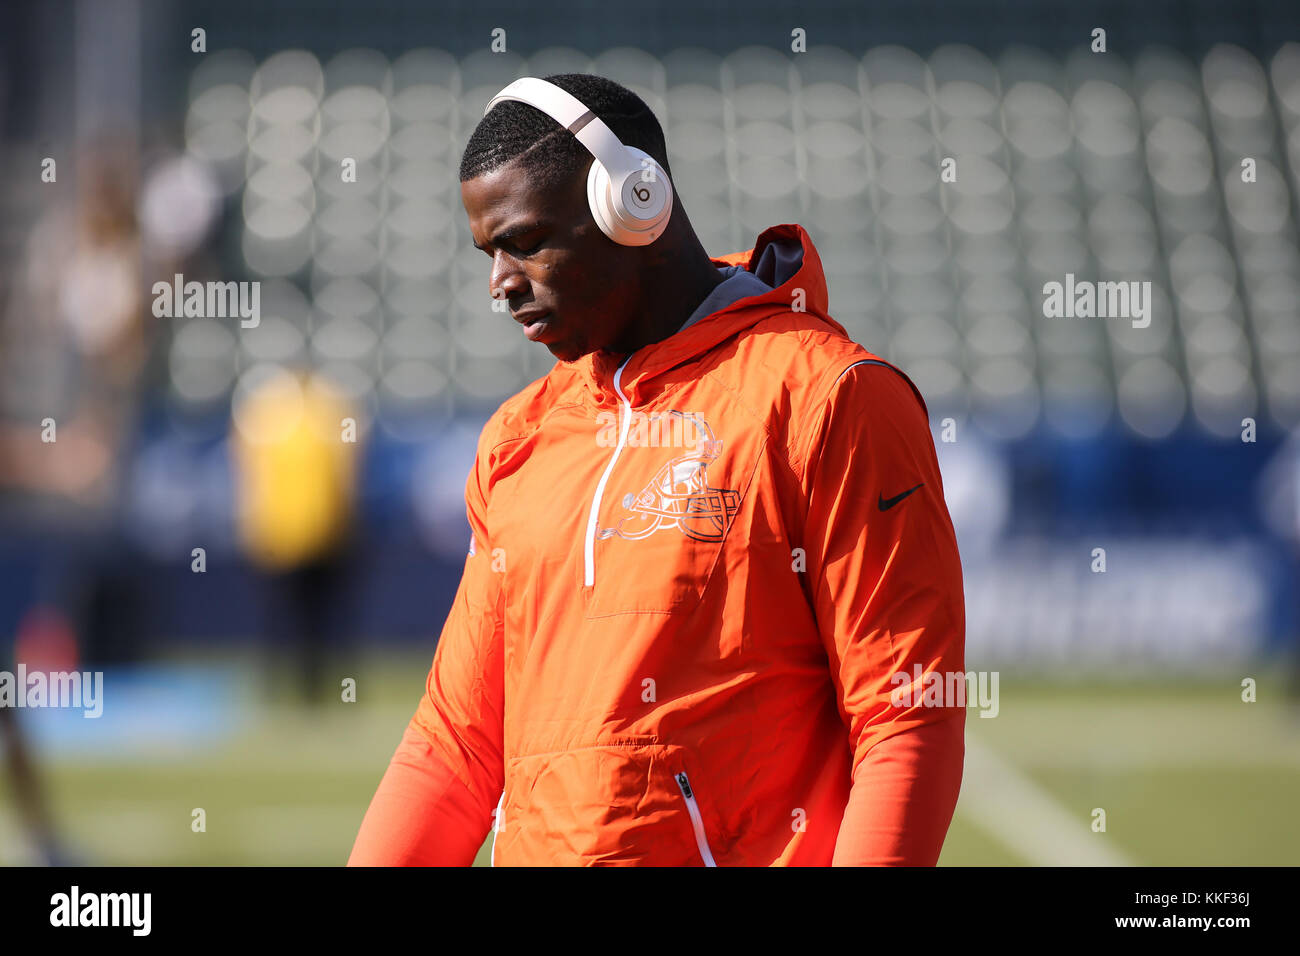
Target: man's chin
(567,353)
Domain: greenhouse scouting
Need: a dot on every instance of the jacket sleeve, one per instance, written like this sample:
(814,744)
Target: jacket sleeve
(434,803)
(884,577)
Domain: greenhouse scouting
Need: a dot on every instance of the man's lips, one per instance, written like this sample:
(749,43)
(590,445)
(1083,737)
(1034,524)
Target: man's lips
(534,323)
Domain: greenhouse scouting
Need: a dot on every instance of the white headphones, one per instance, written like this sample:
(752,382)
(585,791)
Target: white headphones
(628,192)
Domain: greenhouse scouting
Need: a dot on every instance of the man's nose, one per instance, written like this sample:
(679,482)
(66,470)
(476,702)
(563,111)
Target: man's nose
(507,278)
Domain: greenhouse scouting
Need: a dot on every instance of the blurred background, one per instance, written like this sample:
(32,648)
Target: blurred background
(209,531)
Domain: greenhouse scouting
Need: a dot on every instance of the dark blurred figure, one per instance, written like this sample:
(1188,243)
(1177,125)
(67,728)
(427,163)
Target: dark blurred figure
(80,353)
(74,339)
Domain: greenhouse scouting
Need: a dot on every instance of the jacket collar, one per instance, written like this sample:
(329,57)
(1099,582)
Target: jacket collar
(783,257)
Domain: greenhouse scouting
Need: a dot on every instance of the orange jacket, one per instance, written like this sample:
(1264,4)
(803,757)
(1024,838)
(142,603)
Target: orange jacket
(695,576)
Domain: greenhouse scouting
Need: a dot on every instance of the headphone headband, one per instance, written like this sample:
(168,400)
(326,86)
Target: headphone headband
(569,111)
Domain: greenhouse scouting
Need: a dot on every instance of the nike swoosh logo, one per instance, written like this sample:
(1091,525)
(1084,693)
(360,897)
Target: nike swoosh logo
(887,503)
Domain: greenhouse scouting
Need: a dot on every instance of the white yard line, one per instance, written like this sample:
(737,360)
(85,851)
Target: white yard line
(1139,759)
(1019,813)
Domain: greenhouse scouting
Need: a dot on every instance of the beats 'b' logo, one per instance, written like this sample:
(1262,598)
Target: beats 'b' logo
(641,193)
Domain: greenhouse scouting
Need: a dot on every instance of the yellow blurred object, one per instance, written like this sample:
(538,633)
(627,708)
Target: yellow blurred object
(296,473)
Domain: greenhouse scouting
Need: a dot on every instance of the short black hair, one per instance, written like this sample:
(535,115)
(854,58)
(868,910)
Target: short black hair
(548,152)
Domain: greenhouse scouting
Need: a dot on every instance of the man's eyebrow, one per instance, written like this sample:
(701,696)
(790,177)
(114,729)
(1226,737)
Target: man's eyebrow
(509,233)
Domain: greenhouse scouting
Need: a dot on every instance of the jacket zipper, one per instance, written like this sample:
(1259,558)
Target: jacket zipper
(625,423)
(496,828)
(697,821)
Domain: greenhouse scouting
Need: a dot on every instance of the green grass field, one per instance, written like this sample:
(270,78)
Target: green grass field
(1186,775)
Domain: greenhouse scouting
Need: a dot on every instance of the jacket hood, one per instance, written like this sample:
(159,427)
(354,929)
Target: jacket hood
(783,257)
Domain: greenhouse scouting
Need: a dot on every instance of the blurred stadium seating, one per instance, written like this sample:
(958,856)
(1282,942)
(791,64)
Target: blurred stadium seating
(1093,166)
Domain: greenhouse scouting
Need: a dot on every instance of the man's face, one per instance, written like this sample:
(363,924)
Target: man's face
(549,256)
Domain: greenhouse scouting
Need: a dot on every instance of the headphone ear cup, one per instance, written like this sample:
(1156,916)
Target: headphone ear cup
(635,211)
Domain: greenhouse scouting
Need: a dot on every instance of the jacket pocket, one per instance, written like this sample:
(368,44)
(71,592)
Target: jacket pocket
(613,804)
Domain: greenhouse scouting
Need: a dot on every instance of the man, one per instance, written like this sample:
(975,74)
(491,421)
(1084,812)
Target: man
(295,505)
(709,548)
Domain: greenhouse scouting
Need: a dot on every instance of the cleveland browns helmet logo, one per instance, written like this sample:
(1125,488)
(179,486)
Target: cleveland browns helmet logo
(679,495)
